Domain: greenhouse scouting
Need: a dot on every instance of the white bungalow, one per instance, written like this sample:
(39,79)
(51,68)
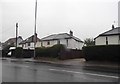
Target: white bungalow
(111,37)
(70,41)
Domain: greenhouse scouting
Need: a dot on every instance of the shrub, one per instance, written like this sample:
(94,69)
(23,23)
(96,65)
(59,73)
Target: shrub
(17,52)
(27,53)
(22,53)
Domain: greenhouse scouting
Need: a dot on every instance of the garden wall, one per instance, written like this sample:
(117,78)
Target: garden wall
(71,54)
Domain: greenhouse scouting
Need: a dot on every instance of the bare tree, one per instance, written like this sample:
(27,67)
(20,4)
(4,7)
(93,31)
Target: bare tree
(89,42)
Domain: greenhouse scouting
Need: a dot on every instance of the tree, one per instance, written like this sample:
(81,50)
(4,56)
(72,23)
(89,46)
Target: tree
(89,42)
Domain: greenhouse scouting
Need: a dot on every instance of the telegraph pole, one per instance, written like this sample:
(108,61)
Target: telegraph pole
(16,33)
(35,35)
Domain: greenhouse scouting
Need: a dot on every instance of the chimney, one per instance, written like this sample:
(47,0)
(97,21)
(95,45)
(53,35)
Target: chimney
(71,33)
(113,27)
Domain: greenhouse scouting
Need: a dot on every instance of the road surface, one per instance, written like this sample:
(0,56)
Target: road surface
(41,72)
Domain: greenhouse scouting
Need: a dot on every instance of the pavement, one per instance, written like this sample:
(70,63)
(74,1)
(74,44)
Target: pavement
(81,62)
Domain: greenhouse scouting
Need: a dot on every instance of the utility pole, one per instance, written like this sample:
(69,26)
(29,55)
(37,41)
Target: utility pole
(16,33)
(35,34)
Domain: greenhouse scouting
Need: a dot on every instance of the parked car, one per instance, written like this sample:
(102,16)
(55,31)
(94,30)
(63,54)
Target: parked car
(10,51)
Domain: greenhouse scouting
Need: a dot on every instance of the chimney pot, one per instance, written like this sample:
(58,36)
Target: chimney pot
(113,27)
(71,33)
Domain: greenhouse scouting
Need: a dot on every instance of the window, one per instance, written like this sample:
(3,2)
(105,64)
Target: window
(67,42)
(58,42)
(48,43)
(28,44)
(106,40)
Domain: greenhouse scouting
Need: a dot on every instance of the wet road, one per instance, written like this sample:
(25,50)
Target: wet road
(40,72)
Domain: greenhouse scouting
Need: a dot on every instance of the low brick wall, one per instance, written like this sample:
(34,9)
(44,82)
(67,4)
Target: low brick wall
(71,54)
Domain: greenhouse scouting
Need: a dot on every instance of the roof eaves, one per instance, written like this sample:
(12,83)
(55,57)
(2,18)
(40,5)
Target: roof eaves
(77,39)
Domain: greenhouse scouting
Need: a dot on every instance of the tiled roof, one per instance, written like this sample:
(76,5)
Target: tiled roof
(29,39)
(12,40)
(60,36)
(115,31)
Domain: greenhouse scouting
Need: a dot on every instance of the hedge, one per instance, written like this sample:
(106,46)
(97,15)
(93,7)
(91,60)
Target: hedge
(22,53)
(102,53)
(53,51)
(59,51)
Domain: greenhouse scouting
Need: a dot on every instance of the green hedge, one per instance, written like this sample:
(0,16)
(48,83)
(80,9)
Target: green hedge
(53,51)
(22,53)
(17,52)
(102,53)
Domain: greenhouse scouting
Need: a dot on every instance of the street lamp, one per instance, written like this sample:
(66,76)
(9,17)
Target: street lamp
(35,35)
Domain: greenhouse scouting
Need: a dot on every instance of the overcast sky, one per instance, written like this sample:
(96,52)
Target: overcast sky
(86,18)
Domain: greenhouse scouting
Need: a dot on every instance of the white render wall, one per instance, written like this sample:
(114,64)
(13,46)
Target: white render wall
(72,44)
(54,42)
(25,46)
(38,44)
(51,43)
(112,40)
(18,41)
(100,41)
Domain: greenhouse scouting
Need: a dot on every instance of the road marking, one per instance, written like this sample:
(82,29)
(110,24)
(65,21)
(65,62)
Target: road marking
(85,73)
(23,66)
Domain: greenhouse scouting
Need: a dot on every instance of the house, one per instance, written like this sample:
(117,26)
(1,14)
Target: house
(29,42)
(70,41)
(111,37)
(12,42)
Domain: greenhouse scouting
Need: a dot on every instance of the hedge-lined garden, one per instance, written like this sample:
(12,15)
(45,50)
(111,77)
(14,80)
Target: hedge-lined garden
(102,53)
(58,51)
(90,53)
(52,52)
